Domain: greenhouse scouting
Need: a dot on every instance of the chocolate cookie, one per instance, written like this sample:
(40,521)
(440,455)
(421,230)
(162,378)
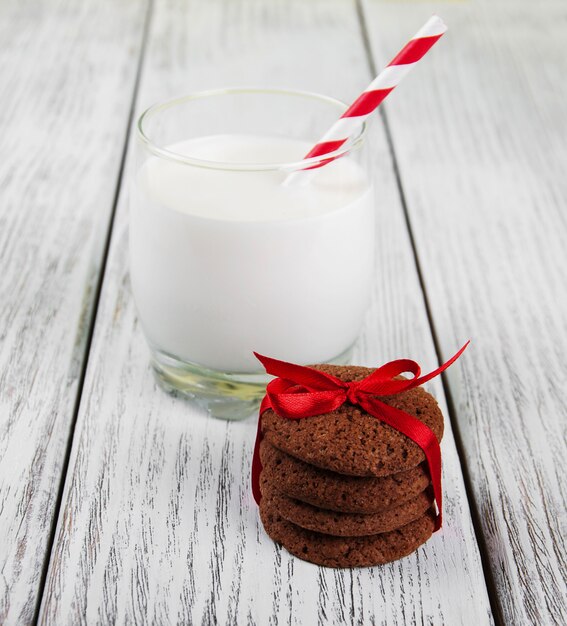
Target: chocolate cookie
(344,524)
(349,440)
(337,492)
(345,551)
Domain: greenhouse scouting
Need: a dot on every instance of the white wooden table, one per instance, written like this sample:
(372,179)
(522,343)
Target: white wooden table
(120,504)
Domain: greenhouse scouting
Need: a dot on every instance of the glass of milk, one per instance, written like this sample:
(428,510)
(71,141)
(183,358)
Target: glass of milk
(229,255)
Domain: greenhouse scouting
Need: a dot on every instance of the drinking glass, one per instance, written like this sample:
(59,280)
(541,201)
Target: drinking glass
(239,244)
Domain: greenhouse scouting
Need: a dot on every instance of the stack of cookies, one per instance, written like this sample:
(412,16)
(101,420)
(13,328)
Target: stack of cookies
(344,489)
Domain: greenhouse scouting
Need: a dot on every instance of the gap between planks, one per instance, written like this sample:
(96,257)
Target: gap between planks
(94,311)
(451,411)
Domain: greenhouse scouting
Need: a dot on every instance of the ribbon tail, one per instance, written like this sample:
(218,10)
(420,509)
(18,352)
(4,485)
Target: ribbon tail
(383,381)
(299,374)
(256,462)
(419,433)
(419,381)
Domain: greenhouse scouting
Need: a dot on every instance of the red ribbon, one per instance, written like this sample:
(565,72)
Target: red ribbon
(301,392)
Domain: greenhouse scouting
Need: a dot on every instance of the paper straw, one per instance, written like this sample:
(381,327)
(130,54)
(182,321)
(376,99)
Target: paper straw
(369,100)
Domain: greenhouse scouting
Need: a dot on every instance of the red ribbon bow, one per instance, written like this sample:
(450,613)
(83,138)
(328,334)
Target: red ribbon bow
(301,392)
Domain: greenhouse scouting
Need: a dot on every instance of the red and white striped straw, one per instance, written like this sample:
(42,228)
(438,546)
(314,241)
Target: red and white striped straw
(351,120)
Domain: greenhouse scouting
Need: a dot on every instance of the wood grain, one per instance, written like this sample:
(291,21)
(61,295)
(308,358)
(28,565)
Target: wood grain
(60,152)
(158,524)
(481,142)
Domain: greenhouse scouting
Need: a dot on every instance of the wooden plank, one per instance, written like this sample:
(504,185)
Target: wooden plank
(158,522)
(61,143)
(480,133)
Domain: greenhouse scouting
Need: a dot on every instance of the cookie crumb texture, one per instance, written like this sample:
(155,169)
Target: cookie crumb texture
(344,524)
(349,440)
(337,492)
(332,551)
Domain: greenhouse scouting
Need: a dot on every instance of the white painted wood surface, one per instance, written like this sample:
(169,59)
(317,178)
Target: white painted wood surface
(157,523)
(482,152)
(67,72)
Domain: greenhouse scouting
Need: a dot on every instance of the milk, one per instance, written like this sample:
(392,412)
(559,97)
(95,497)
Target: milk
(224,263)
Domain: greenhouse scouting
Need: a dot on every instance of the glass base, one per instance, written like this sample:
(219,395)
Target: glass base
(222,395)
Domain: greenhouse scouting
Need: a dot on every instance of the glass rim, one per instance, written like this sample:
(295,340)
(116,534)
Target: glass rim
(350,145)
